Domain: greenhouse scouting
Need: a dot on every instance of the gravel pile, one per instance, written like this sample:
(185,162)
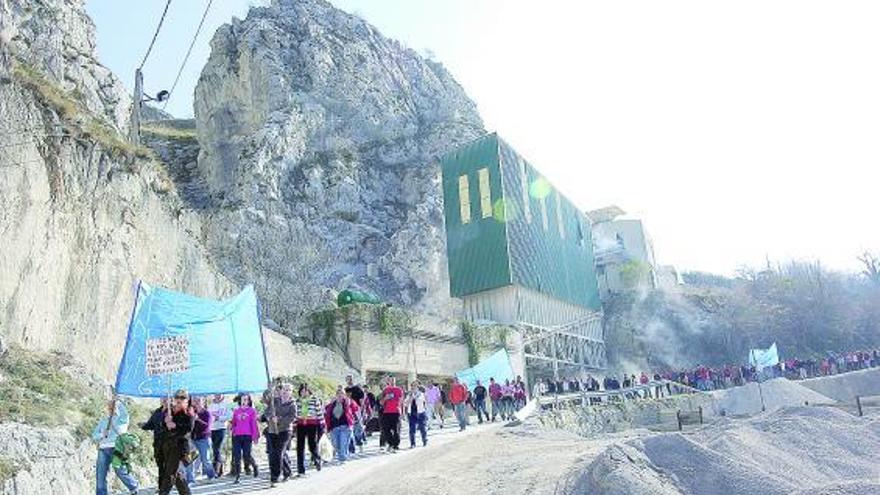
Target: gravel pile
(778,393)
(808,450)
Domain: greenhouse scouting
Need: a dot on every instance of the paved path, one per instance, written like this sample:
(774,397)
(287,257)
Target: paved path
(333,477)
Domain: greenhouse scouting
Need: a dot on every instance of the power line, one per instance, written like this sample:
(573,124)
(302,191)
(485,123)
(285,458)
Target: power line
(188,52)
(155,35)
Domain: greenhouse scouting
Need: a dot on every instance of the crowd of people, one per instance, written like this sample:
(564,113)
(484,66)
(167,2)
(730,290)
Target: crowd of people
(707,378)
(190,432)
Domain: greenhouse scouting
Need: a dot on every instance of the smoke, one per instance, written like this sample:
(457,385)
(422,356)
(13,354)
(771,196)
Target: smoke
(651,330)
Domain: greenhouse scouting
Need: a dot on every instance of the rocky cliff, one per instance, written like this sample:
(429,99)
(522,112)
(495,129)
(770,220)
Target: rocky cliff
(314,169)
(84,214)
(319,144)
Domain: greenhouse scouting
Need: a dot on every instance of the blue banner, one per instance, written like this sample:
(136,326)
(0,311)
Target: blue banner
(764,358)
(496,366)
(204,346)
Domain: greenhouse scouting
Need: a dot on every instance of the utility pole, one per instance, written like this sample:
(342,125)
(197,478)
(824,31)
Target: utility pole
(136,102)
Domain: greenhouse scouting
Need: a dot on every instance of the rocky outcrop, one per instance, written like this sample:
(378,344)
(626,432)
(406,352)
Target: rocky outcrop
(319,140)
(38,461)
(83,217)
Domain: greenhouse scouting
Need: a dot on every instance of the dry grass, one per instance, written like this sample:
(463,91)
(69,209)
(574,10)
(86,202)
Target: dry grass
(169,132)
(80,120)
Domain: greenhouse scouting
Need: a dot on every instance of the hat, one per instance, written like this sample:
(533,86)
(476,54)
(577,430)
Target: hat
(181,394)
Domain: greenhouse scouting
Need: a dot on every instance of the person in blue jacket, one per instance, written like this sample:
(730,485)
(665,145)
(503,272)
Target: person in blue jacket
(114,423)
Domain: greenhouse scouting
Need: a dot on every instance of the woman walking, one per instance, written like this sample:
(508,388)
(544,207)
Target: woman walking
(245,433)
(201,437)
(416,413)
(308,422)
(339,417)
(280,415)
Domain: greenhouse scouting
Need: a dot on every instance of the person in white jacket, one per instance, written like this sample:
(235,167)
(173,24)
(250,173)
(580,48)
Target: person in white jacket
(415,409)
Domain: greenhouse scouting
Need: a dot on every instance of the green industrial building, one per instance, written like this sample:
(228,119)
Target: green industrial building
(520,253)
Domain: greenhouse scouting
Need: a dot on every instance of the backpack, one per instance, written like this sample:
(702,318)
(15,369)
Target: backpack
(126,445)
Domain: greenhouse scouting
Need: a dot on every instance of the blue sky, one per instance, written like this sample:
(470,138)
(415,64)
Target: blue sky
(739,131)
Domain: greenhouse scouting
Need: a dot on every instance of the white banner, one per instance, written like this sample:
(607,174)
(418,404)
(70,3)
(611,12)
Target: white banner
(167,355)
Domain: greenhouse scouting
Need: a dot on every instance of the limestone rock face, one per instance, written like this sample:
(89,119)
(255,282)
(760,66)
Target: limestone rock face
(319,145)
(58,38)
(79,225)
(45,460)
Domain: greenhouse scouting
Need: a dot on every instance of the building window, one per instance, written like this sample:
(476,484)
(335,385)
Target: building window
(485,193)
(544,218)
(559,218)
(464,199)
(524,178)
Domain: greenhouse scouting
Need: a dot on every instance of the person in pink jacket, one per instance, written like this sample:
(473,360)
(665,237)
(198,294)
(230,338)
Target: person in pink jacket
(245,433)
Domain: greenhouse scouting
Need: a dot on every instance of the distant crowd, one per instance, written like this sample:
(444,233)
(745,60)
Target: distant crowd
(708,378)
(189,431)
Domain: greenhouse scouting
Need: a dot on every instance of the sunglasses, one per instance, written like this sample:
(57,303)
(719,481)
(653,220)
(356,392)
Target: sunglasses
(180,398)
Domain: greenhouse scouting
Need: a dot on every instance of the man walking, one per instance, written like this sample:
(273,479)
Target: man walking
(480,402)
(391,409)
(458,395)
(280,416)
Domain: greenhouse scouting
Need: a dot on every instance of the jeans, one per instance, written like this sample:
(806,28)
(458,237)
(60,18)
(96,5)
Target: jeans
(496,408)
(340,437)
(480,406)
(418,421)
(217,437)
(390,429)
(102,467)
(461,414)
(202,446)
(241,448)
(276,443)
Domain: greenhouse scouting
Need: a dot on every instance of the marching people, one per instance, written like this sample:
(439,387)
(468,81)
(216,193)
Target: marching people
(356,393)
(108,429)
(339,416)
(432,399)
(201,438)
(391,401)
(507,394)
(155,424)
(221,415)
(279,416)
(495,397)
(416,407)
(174,444)
(480,402)
(309,412)
(458,395)
(245,433)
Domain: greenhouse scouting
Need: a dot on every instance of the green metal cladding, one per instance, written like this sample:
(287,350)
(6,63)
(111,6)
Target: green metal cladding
(513,246)
(478,250)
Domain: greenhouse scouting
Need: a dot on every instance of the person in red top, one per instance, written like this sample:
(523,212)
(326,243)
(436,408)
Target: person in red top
(458,396)
(391,410)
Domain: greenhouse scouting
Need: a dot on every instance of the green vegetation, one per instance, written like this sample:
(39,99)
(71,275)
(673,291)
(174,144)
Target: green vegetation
(174,133)
(36,391)
(483,339)
(8,468)
(394,322)
(324,388)
(79,120)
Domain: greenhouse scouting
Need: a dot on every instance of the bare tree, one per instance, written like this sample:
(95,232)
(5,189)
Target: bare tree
(872,266)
